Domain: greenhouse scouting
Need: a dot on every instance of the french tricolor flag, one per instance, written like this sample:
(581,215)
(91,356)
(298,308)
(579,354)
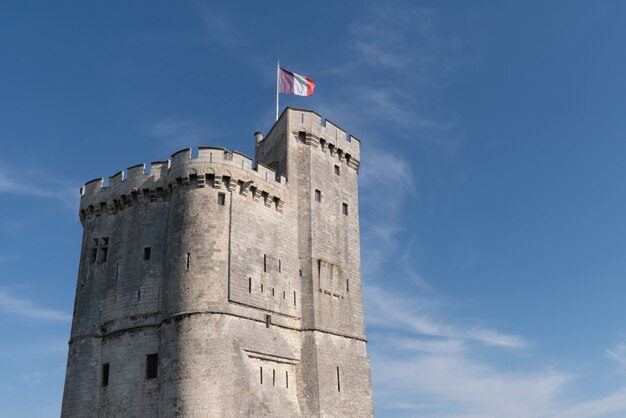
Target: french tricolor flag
(292,83)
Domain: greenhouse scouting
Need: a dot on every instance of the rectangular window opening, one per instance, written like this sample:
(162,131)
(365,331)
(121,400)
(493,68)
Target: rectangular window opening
(347,285)
(300,272)
(261,373)
(344,208)
(265,263)
(280,267)
(284,294)
(337,170)
(294,298)
(187,261)
(138,295)
(261,287)
(249,284)
(146,253)
(152,366)
(94,254)
(272,291)
(287,379)
(117,270)
(268,321)
(105,374)
(273,377)
(318,195)
(103,254)
(221,199)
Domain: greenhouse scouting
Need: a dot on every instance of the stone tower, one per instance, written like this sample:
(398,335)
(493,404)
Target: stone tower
(215,286)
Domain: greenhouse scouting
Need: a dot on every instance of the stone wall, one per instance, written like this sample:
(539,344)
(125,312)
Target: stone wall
(245,286)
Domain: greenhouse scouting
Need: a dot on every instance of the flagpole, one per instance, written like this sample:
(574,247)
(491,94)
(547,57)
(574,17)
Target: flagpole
(277,85)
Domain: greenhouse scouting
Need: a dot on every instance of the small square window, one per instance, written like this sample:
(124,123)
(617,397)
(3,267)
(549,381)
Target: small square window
(221,199)
(318,196)
(152,366)
(105,374)
(337,170)
(146,253)
(344,208)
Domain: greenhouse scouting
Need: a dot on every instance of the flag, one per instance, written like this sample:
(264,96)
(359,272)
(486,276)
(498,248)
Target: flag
(292,83)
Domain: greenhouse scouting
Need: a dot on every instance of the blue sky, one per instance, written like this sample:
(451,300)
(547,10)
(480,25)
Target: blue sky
(492,179)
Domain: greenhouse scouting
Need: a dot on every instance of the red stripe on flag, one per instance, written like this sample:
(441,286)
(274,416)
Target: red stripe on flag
(310,86)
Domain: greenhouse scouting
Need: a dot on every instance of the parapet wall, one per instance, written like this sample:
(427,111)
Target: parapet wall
(222,167)
(326,134)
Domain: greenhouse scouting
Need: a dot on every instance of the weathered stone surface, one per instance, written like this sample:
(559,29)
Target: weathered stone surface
(247,286)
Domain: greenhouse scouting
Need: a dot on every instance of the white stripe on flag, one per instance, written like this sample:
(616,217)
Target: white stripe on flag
(300,86)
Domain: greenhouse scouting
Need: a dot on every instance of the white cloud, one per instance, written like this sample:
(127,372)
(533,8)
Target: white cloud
(614,404)
(419,315)
(457,385)
(22,307)
(21,184)
(617,354)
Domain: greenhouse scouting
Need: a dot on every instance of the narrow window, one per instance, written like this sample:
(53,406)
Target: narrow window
(187,261)
(347,285)
(300,272)
(344,208)
(268,321)
(152,366)
(265,263)
(249,284)
(105,374)
(284,294)
(273,377)
(287,379)
(104,249)
(94,253)
(337,170)
(280,268)
(221,199)
(261,373)
(261,287)
(146,253)
(294,298)
(272,291)
(318,196)
(338,381)
(117,270)
(138,295)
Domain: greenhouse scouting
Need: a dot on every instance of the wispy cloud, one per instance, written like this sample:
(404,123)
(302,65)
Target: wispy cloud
(218,26)
(453,384)
(617,354)
(176,131)
(24,184)
(419,315)
(8,258)
(15,305)
(614,404)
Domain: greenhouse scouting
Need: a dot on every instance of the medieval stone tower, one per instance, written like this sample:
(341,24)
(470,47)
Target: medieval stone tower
(215,286)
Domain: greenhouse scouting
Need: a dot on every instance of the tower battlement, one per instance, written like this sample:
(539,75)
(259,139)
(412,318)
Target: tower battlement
(314,130)
(213,167)
(215,285)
